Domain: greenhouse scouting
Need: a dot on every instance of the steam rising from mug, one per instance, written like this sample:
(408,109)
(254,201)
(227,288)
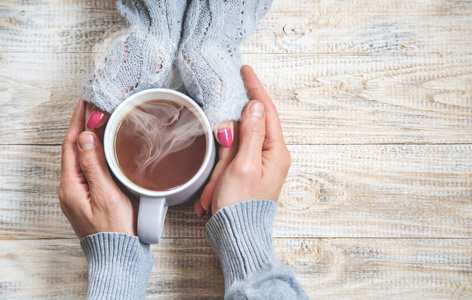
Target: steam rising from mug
(164,129)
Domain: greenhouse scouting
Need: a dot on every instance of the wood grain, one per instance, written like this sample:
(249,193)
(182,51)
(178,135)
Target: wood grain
(331,191)
(188,269)
(328,26)
(327,99)
(375,99)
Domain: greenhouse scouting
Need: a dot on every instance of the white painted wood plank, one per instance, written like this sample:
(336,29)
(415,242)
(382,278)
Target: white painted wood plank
(188,269)
(331,191)
(325,99)
(328,26)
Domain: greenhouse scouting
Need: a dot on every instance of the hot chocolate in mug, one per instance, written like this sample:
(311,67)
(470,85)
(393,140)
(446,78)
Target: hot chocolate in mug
(153,204)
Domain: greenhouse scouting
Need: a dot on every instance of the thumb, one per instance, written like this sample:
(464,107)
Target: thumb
(93,164)
(252,134)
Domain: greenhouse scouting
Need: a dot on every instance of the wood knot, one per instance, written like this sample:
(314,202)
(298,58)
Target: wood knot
(300,192)
(293,31)
(299,253)
(21,17)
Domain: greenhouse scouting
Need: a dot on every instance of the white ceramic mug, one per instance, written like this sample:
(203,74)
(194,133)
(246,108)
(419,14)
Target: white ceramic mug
(153,204)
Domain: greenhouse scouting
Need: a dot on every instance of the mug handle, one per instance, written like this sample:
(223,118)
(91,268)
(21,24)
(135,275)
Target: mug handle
(151,216)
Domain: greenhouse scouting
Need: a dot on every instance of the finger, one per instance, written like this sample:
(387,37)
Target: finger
(198,209)
(252,134)
(94,167)
(70,171)
(95,120)
(207,194)
(226,155)
(224,133)
(274,135)
(95,117)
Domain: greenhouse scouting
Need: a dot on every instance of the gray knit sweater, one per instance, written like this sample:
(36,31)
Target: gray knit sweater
(241,236)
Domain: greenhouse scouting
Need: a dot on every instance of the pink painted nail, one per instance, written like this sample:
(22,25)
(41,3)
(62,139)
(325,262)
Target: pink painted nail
(95,119)
(225,137)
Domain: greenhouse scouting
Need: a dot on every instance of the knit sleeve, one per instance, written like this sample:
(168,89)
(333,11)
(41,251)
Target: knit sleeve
(241,236)
(119,266)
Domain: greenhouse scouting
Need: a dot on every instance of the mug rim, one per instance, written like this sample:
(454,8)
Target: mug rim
(115,120)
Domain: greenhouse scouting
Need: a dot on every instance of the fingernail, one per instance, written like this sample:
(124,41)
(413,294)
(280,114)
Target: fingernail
(225,137)
(86,141)
(257,109)
(95,119)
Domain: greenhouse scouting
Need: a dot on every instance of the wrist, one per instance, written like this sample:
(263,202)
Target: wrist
(241,236)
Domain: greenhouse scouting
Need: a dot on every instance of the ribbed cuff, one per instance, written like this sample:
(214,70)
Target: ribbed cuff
(241,236)
(119,266)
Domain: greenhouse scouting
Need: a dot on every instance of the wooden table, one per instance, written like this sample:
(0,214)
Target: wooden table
(376,103)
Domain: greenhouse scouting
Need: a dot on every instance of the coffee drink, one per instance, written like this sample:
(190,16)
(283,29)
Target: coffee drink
(160,145)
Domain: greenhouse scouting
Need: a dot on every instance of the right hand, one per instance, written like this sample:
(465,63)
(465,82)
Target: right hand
(256,166)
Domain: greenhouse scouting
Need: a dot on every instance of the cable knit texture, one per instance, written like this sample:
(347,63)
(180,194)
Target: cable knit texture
(140,59)
(241,236)
(119,266)
(209,57)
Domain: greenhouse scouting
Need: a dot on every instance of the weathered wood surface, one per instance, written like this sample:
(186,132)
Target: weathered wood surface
(331,191)
(323,99)
(188,269)
(375,99)
(328,26)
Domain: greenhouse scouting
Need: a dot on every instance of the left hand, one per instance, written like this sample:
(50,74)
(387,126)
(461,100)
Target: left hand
(90,199)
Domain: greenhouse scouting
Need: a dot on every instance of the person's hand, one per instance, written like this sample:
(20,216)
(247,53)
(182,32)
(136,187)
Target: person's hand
(88,196)
(256,165)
